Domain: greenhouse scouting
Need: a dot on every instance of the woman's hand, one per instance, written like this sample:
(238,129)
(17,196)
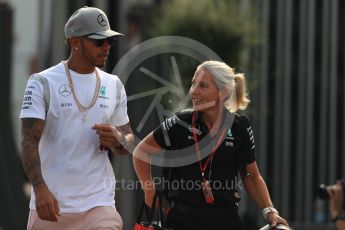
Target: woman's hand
(149,196)
(336,199)
(274,219)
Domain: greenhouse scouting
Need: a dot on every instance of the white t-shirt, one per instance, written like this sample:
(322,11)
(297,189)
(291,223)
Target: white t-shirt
(76,171)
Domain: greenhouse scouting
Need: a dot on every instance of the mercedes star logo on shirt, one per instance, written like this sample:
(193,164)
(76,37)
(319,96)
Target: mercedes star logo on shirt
(65,90)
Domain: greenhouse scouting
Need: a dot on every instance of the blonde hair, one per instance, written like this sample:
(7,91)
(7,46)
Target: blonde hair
(235,84)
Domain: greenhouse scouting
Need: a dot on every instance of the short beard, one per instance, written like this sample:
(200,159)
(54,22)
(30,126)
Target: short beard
(100,66)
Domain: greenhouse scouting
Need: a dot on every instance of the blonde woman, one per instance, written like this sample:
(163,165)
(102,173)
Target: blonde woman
(211,145)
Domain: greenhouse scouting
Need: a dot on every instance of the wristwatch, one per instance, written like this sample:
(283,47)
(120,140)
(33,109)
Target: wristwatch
(339,216)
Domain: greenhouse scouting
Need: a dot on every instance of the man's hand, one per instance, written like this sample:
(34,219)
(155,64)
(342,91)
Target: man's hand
(119,139)
(47,206)
(109,136)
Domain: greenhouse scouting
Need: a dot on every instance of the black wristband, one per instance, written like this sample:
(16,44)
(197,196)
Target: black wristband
(119,148)
(122,142)
(340,216)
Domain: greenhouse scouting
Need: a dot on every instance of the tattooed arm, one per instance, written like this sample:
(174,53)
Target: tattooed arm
(46,204)
(31,134)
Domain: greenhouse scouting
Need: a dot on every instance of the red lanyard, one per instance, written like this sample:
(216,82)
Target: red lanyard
(197,147)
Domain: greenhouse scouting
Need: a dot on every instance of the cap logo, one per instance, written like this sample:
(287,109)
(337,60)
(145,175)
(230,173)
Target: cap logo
(101,20)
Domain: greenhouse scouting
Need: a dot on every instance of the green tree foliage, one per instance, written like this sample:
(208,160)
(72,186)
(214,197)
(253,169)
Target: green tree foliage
(225,26)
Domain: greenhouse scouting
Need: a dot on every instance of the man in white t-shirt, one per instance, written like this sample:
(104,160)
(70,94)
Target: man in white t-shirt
(73,114)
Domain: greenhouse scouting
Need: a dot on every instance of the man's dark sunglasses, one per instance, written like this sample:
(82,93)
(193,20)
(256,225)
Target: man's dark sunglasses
(100,42)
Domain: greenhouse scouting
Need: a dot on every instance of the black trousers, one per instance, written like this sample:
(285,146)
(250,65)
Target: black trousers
(196,219)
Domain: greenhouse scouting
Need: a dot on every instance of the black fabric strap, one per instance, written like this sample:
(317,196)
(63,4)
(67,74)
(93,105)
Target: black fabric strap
(157,210)
(142,209)
(150,214)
